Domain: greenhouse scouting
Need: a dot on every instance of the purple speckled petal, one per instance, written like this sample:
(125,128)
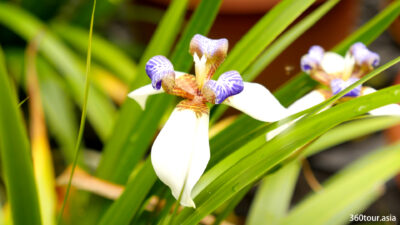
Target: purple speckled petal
(157,68)
(228,84)
(312,59)
(337,85)
(363,55)
(211,48)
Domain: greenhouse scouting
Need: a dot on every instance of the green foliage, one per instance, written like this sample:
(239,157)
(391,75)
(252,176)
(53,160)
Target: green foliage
(15,156)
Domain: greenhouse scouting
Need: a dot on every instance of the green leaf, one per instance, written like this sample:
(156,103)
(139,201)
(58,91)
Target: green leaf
(100,109)
(79,139)
(231,204)
(272,200)
(257,39)
(262,34)
(302,83)
(59,109)
(103,51)
(349,191)
(136,189)
(57,104)
(286,39)
(15,157)
(350,131)
(249,163)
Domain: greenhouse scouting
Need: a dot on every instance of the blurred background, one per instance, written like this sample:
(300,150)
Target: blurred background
(130,25)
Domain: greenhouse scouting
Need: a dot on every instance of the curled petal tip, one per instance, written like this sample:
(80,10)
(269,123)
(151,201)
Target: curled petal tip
(363,56)
(214,49)
(159,68)
(181,152)
(312,59)
(228,84)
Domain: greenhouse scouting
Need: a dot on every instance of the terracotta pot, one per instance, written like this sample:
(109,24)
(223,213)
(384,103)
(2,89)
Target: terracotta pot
(394,29)
(234,6)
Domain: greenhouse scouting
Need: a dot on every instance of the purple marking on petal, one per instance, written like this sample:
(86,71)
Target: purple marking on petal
(206,46)
(337,85)
(312,59)
(157,68)
(228,84)
(363,55)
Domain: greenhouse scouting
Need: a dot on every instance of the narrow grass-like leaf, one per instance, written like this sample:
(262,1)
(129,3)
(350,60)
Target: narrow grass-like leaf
(58,105)
(120,212)
(286,39)
(83,116)
(100,110)
(41,153)
(15,157)
(262,34)
(350,131)
(336,202)
(302,83)
(260,159)
(103,51)
(273,196)
(231,204)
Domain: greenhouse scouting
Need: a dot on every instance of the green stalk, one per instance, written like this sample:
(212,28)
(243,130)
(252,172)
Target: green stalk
(83,116)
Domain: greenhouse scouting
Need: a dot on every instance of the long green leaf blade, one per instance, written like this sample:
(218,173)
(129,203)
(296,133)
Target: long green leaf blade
(272,200)
(355,183)
(262,34)
(100,110)
(15,157)
(79,139)
(286,39)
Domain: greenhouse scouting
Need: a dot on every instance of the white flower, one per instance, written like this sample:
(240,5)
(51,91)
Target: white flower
(181,151)
(337,73)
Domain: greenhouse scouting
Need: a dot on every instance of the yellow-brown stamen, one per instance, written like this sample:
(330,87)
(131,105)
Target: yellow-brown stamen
(197,106)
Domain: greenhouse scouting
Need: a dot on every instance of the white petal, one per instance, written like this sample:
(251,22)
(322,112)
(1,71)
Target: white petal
(309,100)
(387,110)
(333,63)
(256,101)
(140,95)
(181,152)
